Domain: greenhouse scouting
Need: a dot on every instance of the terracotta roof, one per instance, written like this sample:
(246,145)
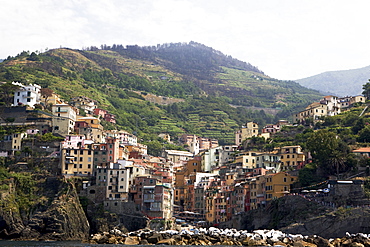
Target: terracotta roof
(362,150)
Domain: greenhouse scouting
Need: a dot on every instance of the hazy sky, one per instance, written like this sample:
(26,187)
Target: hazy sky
(287,39)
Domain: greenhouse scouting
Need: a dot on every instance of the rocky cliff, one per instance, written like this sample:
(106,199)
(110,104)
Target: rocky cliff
(297,215)
(42,208)
(334,224)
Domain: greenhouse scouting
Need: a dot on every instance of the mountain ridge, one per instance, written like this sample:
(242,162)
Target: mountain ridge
(209,83)
(336,82)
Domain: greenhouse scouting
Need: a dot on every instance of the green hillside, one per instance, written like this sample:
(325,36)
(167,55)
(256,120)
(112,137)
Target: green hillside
(215,90)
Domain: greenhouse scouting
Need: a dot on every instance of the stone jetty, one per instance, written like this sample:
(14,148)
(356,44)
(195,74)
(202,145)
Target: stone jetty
(216,236)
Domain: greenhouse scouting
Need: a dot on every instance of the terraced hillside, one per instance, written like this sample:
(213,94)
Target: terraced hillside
(208,92)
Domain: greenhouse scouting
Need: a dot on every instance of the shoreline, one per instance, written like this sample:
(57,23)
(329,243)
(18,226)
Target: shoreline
(231,237)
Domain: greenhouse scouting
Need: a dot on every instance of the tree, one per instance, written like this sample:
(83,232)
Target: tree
(154,147)
(7,92)
(337,161)
(46,93)
(33,57)
(323,145)
(366,88)
(364,134)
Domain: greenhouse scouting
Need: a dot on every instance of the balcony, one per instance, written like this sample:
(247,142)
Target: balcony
(61,110)
(155,209)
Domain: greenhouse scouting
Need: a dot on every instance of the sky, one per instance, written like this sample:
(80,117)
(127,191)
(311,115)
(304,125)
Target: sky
(286,39)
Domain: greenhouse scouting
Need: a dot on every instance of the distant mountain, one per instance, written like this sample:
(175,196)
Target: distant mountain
(339,83)
(215,93)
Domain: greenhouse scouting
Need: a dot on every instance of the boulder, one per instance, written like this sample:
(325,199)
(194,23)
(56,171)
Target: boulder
(302,243)
(167,241)
(155,238)
(131,240)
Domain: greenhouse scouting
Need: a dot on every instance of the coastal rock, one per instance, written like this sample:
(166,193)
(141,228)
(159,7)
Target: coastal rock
(230,237)
(59,216)
(132,240)
(155,238)
(302,243)
(168,241)
(334,224)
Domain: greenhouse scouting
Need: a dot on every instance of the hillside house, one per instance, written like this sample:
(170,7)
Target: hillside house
(111,118)
(91,128)
(292,157)
(84,103)
(248,130)
(27,94)
(64,120)
(314,112)
(347,101)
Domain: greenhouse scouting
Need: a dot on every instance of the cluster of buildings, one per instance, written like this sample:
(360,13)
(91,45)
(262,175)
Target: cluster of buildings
(328,106)
(208,182)
(234,182)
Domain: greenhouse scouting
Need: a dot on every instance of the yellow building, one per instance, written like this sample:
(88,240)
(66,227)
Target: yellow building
(257,192)
(278,184)
(77,162)
(247,131)
(292,157)
(210,205)
(314,111)
(247,159)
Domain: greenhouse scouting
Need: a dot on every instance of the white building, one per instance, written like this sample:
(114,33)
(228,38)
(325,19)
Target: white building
(211,158)
(27,95)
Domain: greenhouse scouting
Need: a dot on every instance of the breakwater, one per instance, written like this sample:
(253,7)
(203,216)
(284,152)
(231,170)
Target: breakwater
(216,236)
